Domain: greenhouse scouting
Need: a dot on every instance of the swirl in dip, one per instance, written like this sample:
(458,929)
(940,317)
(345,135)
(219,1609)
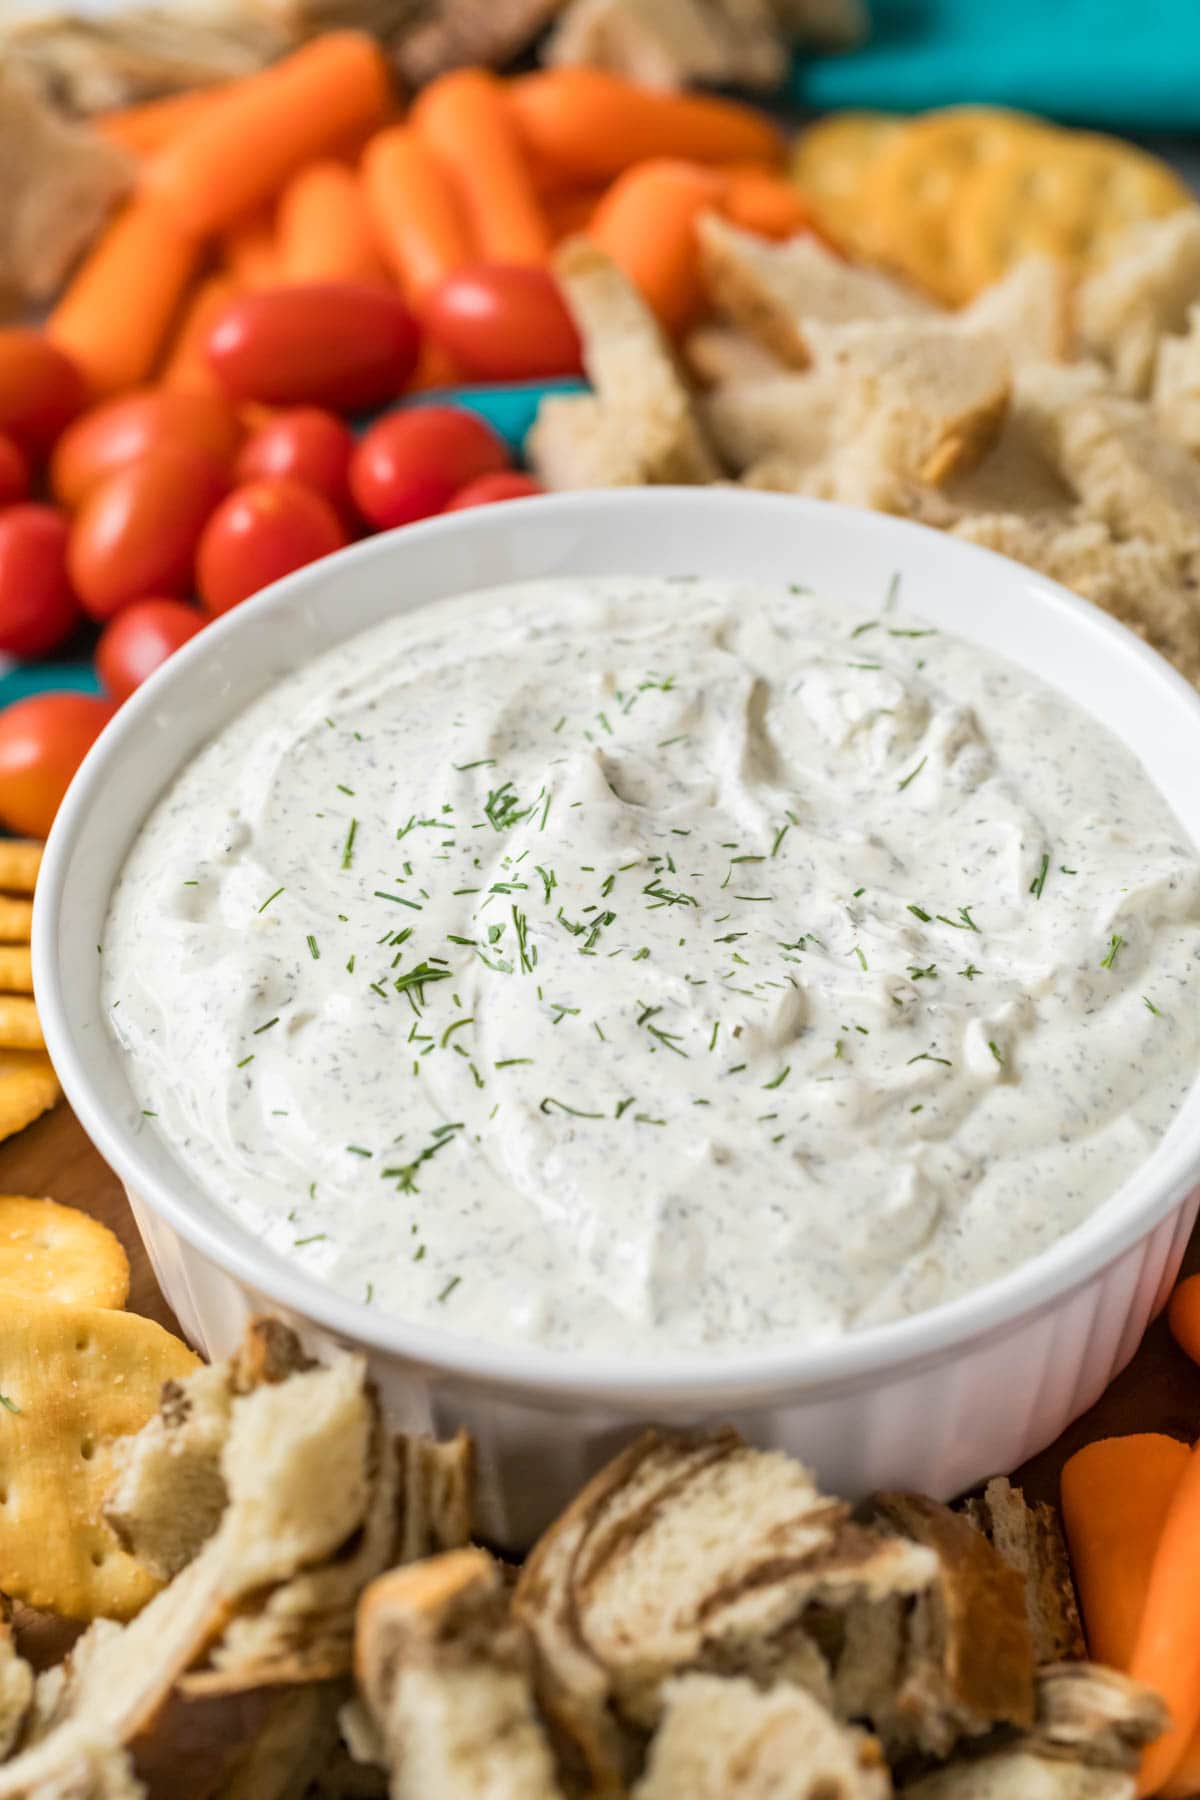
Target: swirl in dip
(640,965)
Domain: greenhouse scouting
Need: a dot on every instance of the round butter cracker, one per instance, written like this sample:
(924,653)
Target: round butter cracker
(53,1252)
(831,162)
(915,186)
(1066,195)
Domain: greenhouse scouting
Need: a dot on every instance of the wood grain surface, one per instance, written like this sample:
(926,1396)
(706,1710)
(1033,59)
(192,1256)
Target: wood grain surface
(1160,1390)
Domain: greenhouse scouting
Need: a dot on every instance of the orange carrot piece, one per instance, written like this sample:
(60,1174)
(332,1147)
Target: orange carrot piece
(147,128)
(465,120)
(324,229)
(240,152)
(187,367)
(571,211)
(250,252)
(415,210)
(119,307)
(1184,1783)
(592,125)
(1167,1653)
(647,224)
(1115,1499)
(765,203)
(1183,1316)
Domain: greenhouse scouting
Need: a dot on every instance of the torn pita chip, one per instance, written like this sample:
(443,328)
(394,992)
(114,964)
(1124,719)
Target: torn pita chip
(53,1252)
(20,1027)
(16,969)
(73,1379)
(16,920)
(20,860)
(28,1088)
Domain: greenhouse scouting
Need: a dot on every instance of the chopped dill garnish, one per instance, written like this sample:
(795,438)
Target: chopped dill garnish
(912,775)
(928,1056)
(398,899)
(449,1288)
(313,951)
(318,1237)
(511,1062)
(926,974)
(1115,943)
(575,1112)
(970,971)
(995,1052)
(780,1078)
(1039,880)
(259,1029)
(357,1150)
(481,762)
(920,913)
(1150,1006)
(265,903)
(862,959)
(964,921)
(861,630)
(348,847)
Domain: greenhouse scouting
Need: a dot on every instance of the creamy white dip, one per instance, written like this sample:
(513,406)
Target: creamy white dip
(643,965)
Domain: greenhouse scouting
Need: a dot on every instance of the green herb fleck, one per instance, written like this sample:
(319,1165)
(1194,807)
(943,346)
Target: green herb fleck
(265,903)
(1039,880)
(1115,943)
(912,775)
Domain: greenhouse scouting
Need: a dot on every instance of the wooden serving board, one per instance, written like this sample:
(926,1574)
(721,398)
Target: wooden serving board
(1160,1390)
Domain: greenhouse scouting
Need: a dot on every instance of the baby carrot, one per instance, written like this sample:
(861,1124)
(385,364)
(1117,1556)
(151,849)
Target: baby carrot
(1167,1653)
(146,128)
(250,252)
(647,224)
(1183,1316)
(768,204)
(416,213)
(324,229)
(187,368)
(1184,1783)
(592,124)
(118,309)
(240,152)
(1115,1499)
(464,119)
(571,211)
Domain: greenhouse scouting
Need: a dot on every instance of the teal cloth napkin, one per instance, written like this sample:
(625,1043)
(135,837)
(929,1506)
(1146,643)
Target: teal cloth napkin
(1126,65)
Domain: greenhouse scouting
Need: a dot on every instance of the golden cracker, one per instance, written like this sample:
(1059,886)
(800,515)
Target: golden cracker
(28,1088)
(16,920)
(53,1252)
(16,969)
(1068,202)
(20,1027)
(830,163)
(20,860)
(72,1380)
(914,186)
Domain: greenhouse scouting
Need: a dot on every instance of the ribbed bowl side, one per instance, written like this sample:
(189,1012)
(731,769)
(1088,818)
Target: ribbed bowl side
(938,1426)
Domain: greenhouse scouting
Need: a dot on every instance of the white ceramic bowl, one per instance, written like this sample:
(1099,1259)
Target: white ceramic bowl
(934,1402)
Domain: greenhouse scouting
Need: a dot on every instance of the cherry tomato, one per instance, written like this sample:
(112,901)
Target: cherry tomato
(507,485)
(38,608)
(306,445)
(411,464)
(260,533)
(348,345)
(501,322)
(40,389)
(43,740)
(138,529)
(14,472)
(111,436)
(140,638)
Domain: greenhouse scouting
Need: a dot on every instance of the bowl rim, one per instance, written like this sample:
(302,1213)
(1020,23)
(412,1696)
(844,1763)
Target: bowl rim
(995,1309)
